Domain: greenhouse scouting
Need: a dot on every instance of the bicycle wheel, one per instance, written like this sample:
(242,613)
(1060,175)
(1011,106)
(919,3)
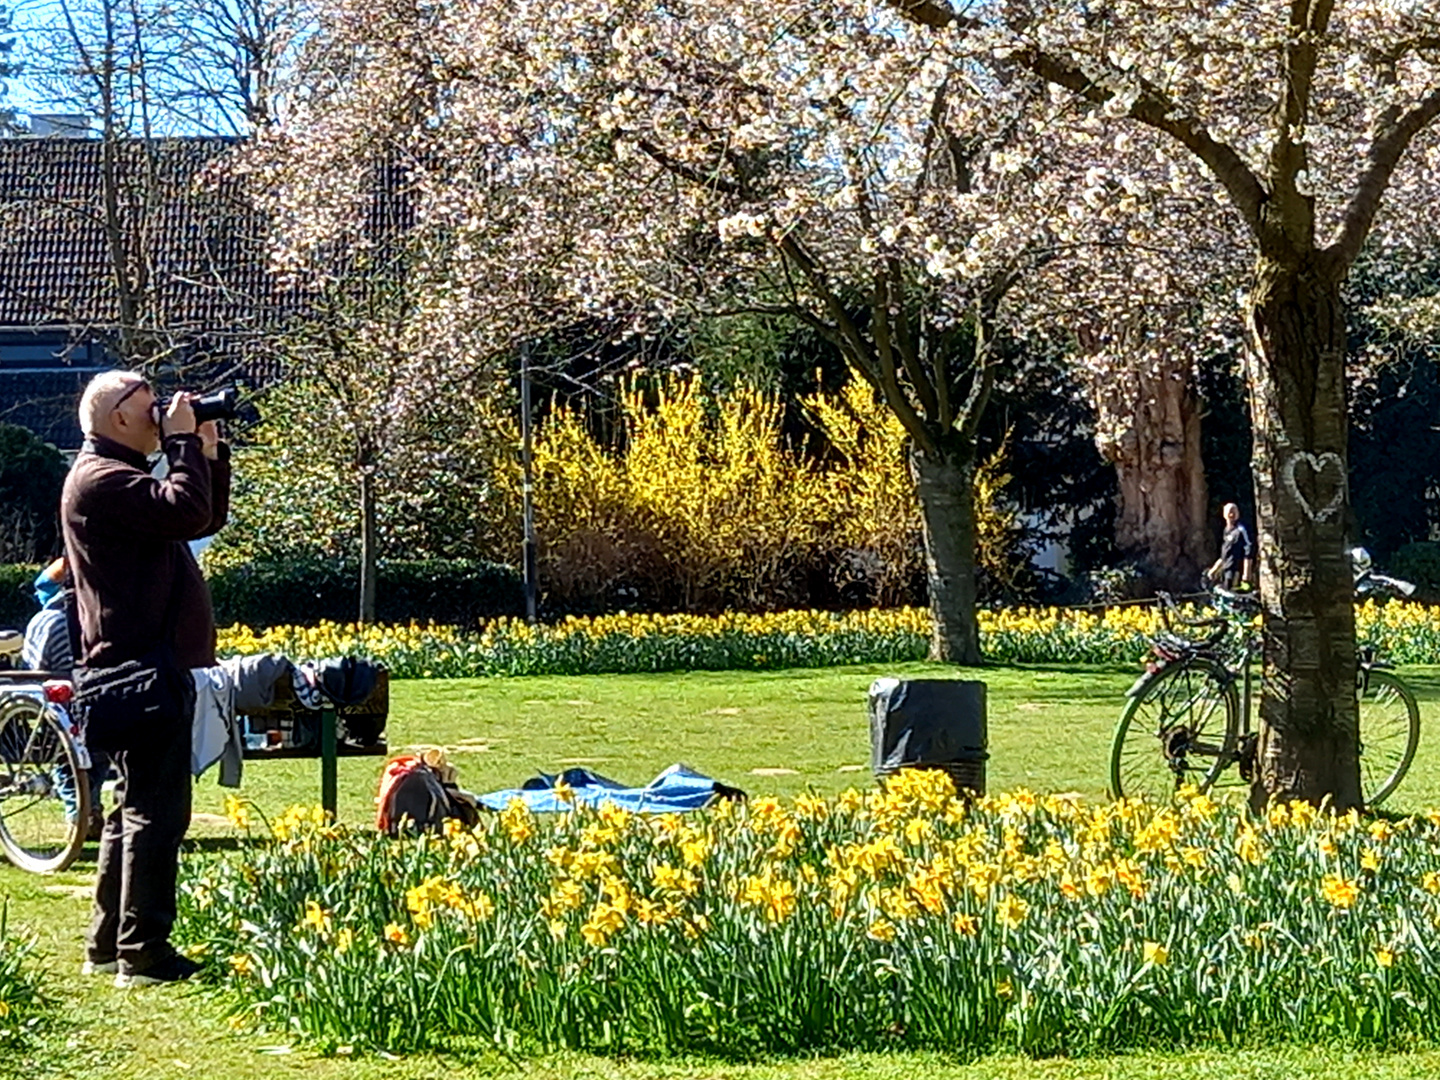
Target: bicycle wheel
(1179,728)
(1389,733)
(44,793)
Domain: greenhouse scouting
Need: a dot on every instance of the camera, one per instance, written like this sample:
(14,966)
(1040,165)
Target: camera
(222,404)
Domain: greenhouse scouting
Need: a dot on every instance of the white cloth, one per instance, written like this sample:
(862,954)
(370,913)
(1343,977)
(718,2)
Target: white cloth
(215,735)
(307,686)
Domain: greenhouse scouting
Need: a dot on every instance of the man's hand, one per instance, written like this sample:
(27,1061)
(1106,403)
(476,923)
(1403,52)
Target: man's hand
(179,418)
(210,438)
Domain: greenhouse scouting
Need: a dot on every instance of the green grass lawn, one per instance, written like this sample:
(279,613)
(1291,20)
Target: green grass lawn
(773,732)
(1049,729)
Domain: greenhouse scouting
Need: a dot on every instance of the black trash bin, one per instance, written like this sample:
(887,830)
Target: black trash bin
(930,724)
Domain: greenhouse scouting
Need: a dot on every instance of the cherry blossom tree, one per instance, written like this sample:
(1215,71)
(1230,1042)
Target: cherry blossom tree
(839,165)
(8,70)
(1309,117)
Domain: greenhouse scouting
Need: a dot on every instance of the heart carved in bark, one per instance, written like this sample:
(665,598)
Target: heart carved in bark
(1322,467)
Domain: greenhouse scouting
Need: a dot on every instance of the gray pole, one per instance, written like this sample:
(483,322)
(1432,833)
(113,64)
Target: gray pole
(532,581)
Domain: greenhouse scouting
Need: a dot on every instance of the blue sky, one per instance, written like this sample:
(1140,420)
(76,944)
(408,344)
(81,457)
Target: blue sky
(26,15)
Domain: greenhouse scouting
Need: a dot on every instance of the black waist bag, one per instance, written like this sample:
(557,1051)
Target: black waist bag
(132,703)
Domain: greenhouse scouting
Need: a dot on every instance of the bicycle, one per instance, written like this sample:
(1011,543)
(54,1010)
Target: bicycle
(1188,718)
(44,769)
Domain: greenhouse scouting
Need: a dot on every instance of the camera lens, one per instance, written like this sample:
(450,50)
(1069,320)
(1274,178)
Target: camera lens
(217,405)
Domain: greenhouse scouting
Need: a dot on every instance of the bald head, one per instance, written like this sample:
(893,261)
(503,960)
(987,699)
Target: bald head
(118,405)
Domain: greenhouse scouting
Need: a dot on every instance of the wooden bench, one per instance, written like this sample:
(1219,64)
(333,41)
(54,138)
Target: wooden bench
(287,717)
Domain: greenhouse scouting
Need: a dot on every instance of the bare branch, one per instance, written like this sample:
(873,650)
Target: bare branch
(685,171)
(1154,109)
(1289,156)
(853,344)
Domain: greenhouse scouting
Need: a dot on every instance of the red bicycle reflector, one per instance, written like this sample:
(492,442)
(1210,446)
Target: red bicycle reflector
(59,692)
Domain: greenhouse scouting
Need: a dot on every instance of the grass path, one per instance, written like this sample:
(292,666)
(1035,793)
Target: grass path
(1049,730)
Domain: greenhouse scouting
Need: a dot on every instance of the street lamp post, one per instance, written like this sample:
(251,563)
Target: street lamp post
(532,582)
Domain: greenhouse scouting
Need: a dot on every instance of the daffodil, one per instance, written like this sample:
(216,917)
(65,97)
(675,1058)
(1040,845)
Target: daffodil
(1339,891)
(1011,911)
(881,929)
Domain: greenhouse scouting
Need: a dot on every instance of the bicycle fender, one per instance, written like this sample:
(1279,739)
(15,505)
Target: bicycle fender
(73,728)
(1140,684)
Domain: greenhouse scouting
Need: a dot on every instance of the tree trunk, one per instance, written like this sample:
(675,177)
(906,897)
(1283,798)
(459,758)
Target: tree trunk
(945,485)
(368,540)
(1149,428)
(1308,717)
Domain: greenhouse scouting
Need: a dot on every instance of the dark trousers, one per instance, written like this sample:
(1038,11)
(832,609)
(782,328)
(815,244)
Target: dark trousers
(140,853)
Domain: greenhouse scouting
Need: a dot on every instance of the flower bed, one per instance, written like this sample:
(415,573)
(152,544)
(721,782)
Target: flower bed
(611,644)
(616,644)
(889,919)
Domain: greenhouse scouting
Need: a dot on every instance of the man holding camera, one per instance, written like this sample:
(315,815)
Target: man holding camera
(136,583)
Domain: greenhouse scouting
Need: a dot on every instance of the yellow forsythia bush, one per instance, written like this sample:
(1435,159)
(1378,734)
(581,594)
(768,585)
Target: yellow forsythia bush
(704,505)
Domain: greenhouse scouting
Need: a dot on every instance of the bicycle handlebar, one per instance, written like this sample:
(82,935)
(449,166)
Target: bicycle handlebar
(1218,625)
(1168,605)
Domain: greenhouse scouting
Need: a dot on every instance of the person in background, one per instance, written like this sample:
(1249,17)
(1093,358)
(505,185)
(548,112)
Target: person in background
(1232,568)
(47,637)
(47,648)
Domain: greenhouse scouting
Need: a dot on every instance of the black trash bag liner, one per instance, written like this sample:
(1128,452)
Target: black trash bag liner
(927,722)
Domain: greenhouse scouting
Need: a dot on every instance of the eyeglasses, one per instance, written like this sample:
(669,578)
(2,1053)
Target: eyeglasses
(135,387)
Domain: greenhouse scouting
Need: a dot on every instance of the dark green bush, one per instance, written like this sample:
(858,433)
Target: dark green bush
(32,472)
(305,591)
(1418,563)
(17,598)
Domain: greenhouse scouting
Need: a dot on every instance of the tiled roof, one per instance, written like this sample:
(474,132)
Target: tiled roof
(200,242)
(211,302)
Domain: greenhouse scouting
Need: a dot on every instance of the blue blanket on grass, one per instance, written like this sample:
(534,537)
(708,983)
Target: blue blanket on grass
(676,789)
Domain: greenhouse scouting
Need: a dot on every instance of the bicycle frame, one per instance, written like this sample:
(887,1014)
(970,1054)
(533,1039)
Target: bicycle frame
(1231,617)
(1233,668)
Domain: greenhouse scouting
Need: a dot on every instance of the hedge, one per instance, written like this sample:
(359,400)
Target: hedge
(305,591)
(17,598)
(1418,563)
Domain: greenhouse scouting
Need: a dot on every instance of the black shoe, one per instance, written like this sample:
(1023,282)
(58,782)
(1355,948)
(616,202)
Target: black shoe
(174,968)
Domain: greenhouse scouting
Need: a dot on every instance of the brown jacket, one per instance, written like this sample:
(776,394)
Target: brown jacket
(125,538)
